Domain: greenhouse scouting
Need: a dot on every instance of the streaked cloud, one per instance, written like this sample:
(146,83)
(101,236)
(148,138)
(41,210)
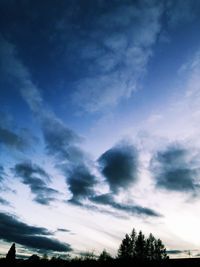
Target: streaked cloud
(108,199)
(13,230)
(120,44)
(37,179)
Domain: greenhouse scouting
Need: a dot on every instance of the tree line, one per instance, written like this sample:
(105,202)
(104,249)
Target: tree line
(133,247)
(137,246)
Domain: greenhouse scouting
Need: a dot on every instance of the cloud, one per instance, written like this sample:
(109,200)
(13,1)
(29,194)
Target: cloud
(175,251)
(81,183)
(107,199)
(176,168)
(2,173)
(75,164)
(63,230)
(61,142)
(4,202)
(11,139)
(36,178)
(119,165)
(179,12)
(13,230)
(114,50)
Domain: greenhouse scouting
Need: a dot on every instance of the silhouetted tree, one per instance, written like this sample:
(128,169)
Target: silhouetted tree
(11,253)
(104,256)
(88,256)
(125,249)
(140,246)
(133,243)
(160,251)
(135,246)
(150,247)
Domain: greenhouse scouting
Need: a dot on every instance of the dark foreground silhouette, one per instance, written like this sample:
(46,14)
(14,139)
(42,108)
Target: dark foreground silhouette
(134,250)
(114,262)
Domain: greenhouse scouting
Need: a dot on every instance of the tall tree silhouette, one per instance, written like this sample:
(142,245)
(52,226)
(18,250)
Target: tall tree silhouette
(133,243)
(140,246)
(11,253)
(125,249)
(150,247)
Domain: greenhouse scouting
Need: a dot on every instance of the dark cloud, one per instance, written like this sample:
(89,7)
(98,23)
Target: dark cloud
(11,139)
(63,230)
(36,178)
(13,230)
(107,199)
(3,180)
(176,168)
(4,202)
(60,141)
(62,144)
(175,251)
(179,12)
(119,165)
(81,183)
(1,173)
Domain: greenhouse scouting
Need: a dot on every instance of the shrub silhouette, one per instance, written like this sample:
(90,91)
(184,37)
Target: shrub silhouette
(104,256)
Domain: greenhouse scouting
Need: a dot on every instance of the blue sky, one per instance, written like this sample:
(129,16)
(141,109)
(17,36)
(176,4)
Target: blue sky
(99,124)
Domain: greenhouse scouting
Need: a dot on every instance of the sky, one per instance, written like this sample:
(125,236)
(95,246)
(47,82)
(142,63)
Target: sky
(99,124)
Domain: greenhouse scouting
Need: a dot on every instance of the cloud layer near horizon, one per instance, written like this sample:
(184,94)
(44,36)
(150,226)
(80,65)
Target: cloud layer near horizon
(13,230)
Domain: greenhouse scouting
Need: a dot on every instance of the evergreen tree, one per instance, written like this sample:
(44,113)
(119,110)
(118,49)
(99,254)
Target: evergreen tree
(11,253)
(125,249)
(133,243)
(150,247)
(160,251)
(140,246)
(135,246)
(104,256)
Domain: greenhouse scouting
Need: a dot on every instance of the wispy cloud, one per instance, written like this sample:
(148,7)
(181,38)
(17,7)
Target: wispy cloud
(2,173)
(119,165)
(115,55)
(36,178)
(181,12)
(108,199)
(61,142)
(12,137)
